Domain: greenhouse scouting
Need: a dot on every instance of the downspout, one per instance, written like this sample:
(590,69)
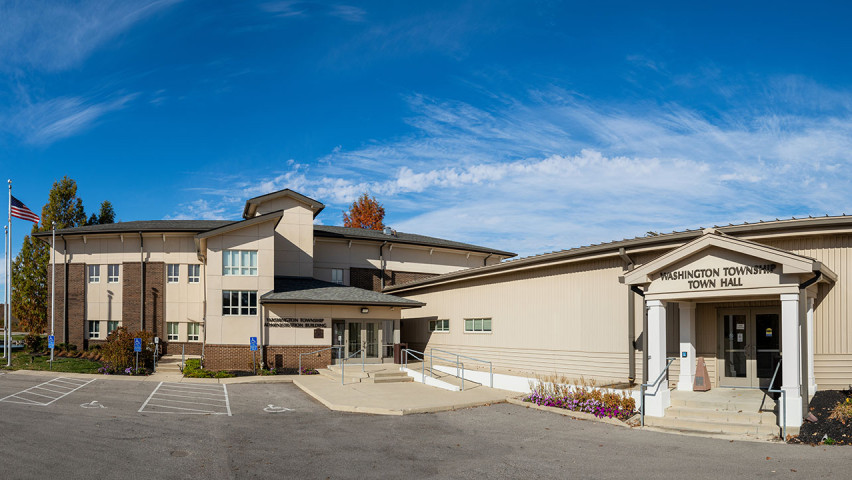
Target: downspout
(805,342)
(204,308)
(635,288)
(485,262)
(64,289)
(631,322)
(141,282)
(382,263)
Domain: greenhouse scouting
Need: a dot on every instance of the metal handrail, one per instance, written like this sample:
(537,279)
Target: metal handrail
(422,358)
(783,408)
(655,382)
(317,351)
(458,356)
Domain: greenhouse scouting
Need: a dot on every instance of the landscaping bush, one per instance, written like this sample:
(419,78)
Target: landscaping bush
(118,350)
(581,397)
(192,369)
(35,343)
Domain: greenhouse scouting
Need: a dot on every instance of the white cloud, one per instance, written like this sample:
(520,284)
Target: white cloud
(53,36)
(551,171)
(200,209)
(50,120)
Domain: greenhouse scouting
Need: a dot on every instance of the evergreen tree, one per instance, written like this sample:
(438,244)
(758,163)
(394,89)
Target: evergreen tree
(93,220)
(107,214)
(29,270)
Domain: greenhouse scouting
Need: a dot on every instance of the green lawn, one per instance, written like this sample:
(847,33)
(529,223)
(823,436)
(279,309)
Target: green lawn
(25,361)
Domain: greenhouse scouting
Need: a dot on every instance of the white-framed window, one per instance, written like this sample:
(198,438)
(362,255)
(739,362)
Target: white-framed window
(239,302)
(192,332)
(477,325)
(94,273)
(173,273)
(439,325)
(337,275)
(172,330)
(112,273)
(193,273)
(94,329)
(239,262)
(112,326)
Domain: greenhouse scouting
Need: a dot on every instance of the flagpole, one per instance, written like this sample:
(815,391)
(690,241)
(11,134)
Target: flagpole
(5,285)
(9,276)
(53,290)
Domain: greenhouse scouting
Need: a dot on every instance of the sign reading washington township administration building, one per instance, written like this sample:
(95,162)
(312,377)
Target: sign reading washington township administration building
(294,322)
(718,277)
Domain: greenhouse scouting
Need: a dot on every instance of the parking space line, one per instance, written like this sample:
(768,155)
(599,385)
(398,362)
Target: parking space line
(41,387)
(177,399)
(227,399)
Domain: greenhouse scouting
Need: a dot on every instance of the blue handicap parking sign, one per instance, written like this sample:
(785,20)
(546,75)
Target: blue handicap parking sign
(137,344)
(253,343)
(51,341)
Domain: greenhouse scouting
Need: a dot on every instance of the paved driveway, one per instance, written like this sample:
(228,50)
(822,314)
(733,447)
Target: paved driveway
(276,431)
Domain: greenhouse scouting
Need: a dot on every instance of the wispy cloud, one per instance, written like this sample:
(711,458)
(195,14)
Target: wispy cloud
(550,170)
(50,120)
(294,9)
(54,36)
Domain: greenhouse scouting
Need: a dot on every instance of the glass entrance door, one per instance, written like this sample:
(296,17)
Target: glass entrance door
(354,338)
(735,350)
(371,339)
(338,331)
(749,346)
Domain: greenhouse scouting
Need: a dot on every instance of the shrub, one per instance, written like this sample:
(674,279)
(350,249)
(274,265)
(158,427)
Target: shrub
(35,343)
(192,369)
(842,411)
(118,349)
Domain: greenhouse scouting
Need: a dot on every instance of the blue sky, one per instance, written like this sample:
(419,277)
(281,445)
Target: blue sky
(525,126)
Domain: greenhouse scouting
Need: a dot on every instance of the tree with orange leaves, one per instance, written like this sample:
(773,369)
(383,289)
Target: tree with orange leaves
(366,212)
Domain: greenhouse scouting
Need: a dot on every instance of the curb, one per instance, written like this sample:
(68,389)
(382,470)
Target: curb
(568,413)
(155,377)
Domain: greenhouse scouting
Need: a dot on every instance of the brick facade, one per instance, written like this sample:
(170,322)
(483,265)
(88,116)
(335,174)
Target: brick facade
(131,296)
(371,278)
(176,348)
(155,298)
(239,357)
(76,304)
(59,322)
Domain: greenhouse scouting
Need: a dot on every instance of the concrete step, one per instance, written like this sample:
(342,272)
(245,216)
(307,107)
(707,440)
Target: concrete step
(703,426)
(731,405)
(395,379)
(726,416)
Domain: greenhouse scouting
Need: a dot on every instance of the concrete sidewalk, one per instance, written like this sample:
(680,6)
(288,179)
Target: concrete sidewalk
(394,398)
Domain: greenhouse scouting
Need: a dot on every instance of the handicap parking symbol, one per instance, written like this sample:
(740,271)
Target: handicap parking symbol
(273,409)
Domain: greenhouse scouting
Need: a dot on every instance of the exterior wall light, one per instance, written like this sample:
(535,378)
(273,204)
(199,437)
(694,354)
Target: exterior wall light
(365,310)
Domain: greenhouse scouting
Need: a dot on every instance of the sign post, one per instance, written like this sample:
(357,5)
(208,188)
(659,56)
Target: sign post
(156,351)
(137,347)
(253,345)
(51,342)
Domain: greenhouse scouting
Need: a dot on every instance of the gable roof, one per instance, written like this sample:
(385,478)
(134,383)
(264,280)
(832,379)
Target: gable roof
(790,262)
(252,203)
(304,290)
(166,226)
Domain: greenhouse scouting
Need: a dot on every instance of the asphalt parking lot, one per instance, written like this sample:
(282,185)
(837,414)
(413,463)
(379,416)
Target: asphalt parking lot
(134,429)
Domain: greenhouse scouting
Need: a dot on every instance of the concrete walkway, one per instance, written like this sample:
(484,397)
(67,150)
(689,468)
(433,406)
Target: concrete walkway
(394,398)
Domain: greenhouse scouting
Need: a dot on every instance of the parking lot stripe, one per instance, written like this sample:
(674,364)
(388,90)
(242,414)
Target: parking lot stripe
(149,397)
(178,399)
(180,408)
(227,401)
(216,390)
(187,396)
(41,387)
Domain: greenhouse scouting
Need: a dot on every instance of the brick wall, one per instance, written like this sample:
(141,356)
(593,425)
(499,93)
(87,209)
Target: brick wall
(239,357)
(76,304)
(60,324)
(176,348)
(371,278)
(155,297)
(131,295)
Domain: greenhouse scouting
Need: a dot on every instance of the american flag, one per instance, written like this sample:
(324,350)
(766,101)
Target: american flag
(19,210)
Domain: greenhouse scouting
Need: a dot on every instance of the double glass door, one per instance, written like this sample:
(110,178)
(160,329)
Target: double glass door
(357,336)
(750,346)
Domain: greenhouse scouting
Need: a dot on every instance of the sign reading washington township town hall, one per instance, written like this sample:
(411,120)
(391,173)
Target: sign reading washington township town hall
(294,322)
(718,277)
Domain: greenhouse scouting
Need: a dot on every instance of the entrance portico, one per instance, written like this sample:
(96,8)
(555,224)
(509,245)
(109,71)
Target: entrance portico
(749,340)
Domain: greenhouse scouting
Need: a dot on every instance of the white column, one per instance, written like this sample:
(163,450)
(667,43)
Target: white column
(791,355)
(687,346)
(812,388)
(658,398)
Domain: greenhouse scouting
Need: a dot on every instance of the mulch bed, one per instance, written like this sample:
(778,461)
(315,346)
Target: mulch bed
(821,406)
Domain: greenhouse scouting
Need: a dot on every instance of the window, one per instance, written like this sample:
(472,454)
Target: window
(174,273)
(94,329)
(111,327)
(477,325)
(238,302)
(337,275)
(194,273)
(439,325)
(112,273)
(94,274)
(239,262)
(172,328)
(192,332)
